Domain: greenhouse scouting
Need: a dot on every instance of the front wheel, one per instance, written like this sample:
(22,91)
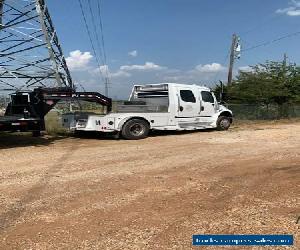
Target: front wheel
(135,129)
(223,123)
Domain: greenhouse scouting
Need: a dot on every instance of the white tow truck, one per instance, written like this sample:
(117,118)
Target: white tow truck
(164,106)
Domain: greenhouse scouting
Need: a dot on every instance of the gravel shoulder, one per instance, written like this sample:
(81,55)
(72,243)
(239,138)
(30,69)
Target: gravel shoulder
(95,193)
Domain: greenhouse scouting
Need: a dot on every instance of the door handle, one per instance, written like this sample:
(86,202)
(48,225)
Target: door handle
(181,108)
(202,108)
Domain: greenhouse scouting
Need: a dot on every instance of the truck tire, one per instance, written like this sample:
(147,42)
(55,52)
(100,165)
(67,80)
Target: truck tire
(223,123)
(135,129)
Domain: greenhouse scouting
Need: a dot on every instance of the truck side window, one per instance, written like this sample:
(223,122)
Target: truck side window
(187,96)
(207,97)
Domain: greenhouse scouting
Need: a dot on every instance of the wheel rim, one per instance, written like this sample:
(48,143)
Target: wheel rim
(137,129)
(225,123)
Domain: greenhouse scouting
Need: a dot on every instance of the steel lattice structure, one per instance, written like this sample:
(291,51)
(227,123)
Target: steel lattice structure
(30,53)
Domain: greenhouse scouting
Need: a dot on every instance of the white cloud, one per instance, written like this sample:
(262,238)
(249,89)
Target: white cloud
(245,69)
(123,77)
(210,68)
(133,53)
(148,66)
(296,3)
(285,10)
(78,60)
(120,74)
(104,69)
(293,10)
(201,74)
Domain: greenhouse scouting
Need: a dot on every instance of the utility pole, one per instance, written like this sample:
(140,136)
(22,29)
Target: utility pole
(232,57)
(284,66)
(284,60)
(106,86)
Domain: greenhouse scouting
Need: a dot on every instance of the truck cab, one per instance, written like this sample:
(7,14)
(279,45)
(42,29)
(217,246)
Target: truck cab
(164,106)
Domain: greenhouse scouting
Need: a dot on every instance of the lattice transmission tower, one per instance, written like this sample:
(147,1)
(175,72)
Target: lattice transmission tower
(30,52)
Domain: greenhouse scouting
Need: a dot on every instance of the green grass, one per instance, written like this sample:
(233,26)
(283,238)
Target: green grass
(54,124)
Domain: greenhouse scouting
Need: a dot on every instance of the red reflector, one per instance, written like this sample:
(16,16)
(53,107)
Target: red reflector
(23,123)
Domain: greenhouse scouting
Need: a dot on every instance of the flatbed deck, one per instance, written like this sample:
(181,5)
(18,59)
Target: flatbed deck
(9,118)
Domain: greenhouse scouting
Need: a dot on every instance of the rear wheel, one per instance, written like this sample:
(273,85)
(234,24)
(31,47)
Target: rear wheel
(135,129)
(223,123)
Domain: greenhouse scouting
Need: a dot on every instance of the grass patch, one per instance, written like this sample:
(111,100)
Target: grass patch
(54,124)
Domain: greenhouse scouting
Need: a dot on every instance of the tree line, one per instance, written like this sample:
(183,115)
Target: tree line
(268,84)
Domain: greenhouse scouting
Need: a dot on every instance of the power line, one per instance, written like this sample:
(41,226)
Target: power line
(101,30)
(107,80)
(269,19)
(101,56)
(90,38)
(95,31)
(272,41)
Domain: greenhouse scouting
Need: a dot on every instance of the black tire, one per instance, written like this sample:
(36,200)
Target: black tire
(135,129)
(223,123)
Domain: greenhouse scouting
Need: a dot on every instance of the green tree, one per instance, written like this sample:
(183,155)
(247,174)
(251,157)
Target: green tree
(265,84)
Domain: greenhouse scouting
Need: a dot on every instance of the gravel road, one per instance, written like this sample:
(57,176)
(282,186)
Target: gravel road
(96,193)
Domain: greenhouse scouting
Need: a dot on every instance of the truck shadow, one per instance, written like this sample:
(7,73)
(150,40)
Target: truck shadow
(94,135)
(103,136)
(13,140)
(156,133)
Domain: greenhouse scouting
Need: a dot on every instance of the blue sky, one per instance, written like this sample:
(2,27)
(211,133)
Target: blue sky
(174,40)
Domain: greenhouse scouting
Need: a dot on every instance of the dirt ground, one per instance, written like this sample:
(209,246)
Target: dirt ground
(96,193)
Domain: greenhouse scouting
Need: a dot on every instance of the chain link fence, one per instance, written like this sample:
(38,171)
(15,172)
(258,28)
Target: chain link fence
(264,112)
(240,111)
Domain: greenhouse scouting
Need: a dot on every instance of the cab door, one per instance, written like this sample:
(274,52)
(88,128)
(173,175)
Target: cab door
(188,103)
(208,104)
